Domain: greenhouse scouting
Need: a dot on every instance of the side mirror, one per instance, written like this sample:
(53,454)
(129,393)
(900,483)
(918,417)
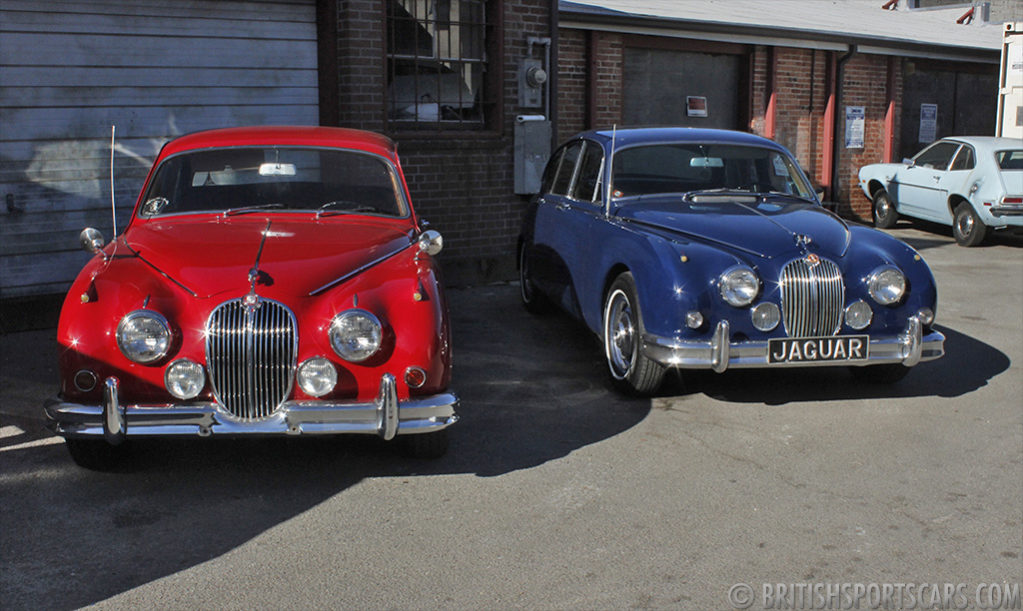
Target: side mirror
(431,242)
(92,240)
(908,162)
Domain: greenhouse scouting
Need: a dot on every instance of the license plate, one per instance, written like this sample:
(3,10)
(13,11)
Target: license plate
(818,349)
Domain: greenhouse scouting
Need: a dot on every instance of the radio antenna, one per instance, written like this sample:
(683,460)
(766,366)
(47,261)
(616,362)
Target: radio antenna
(113,205)
(610,172)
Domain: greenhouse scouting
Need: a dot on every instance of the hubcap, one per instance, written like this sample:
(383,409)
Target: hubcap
(882,208)
(619,334)
(965,224)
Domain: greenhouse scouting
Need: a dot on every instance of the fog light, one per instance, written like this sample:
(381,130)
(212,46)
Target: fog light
(184,379)
(858,315)
(765,316)
(925,316)
(415,377)
(694,320)
(85,380)
(317,376)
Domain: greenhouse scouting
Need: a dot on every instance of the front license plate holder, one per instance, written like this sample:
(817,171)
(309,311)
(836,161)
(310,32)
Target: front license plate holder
(808,350)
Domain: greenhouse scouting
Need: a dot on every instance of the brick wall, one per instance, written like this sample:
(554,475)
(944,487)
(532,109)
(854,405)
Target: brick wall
(577,109)
(461,181)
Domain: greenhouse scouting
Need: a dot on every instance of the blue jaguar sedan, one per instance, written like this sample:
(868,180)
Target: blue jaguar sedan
(708,249)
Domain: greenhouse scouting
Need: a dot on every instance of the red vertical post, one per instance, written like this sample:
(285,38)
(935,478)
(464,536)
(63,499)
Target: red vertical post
(889,117)
(828,148)
(770,113)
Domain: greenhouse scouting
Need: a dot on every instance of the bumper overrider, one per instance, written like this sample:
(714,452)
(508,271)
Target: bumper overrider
(908,348)
(385,416)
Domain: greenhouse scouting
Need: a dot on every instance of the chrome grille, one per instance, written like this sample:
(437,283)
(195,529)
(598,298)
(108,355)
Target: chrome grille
(812,295)
(251,353)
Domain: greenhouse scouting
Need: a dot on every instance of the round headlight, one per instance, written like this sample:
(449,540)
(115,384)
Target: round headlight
(887,285)
(739,286)
(858,315)
(355,335)
(144,336)
(317,376)
(184,379)
(765,316)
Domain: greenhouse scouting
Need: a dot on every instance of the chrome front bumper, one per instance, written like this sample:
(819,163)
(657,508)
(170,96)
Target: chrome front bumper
(908,348)
(385,416)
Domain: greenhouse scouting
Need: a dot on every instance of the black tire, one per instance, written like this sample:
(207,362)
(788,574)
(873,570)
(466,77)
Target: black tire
(532,299)
(630,370)
(881,374)
(425,445)
(967,227)
(885,216)
(96,454)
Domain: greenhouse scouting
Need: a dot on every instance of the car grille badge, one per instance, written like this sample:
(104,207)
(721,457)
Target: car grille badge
(812,260)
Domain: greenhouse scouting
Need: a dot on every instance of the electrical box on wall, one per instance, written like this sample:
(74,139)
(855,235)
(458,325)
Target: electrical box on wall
(532,148)
(532,78)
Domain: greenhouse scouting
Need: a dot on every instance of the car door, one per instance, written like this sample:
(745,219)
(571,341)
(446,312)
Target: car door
(919,191)
(564,220)
(955,180)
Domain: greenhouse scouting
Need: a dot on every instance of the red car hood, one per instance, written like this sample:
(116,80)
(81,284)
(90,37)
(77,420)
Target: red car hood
(299,256)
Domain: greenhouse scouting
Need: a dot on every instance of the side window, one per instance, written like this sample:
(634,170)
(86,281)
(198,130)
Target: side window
(587,183)
(551,171)
(964,159)
(937,157)
(566,169)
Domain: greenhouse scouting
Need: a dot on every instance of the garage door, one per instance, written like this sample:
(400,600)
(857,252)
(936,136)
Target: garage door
(667,87)
(154,69)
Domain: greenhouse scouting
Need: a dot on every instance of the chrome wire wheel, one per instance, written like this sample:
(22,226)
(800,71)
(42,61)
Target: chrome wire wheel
(631,371)
(620,337)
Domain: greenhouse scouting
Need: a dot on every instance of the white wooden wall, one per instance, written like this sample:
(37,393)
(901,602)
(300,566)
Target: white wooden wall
(69,69)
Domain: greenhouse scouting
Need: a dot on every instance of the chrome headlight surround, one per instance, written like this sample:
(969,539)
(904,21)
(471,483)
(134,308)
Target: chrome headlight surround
(739,286)
(858,315)
(184,379)
(355,335)
(143,336)
(887,285)
(317,376)
(765,316)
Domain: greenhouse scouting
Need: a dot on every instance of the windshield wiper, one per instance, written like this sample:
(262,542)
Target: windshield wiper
(248,209)
(719,195)
(354,209)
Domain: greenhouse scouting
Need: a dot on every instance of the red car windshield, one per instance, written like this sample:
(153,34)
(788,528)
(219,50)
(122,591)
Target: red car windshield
(244,179)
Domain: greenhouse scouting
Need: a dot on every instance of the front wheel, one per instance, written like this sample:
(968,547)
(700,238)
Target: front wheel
(630,370)
(885,215)
(967,227)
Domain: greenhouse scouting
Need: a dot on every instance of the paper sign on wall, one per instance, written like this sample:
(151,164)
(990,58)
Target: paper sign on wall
(855,121)
(928,122)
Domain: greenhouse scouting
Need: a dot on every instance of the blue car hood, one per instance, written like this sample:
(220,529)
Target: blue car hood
(765,228)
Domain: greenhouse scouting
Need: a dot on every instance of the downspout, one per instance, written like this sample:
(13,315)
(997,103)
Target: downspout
(837,140)
(552,74)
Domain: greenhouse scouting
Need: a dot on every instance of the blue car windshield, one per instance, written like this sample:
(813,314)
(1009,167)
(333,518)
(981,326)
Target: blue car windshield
(268,178)
(696,167)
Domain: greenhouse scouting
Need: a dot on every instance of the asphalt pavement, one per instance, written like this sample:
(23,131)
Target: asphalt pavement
(557,493)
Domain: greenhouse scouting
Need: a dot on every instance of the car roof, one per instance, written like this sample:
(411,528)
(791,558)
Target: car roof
(662,135)
(991,142)
(284,135)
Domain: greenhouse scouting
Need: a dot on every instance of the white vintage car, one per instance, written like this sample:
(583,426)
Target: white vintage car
(974,184)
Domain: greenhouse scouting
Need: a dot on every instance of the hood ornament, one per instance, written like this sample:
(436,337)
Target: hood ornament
(251,300)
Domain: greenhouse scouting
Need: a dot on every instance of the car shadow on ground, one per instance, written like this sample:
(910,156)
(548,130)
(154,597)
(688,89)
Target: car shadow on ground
(532,389)
(942,235)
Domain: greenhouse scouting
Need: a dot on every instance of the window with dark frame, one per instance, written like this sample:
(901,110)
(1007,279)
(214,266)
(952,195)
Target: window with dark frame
(437,64)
